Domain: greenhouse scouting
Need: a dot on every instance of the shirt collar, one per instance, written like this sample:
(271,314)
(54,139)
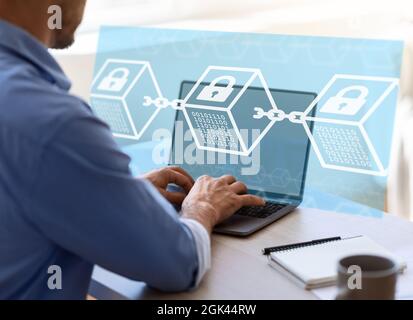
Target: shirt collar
(25,46)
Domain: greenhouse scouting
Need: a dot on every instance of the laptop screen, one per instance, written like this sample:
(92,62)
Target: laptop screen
(276,169)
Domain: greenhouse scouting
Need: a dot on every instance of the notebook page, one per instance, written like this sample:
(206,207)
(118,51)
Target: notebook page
(319,263)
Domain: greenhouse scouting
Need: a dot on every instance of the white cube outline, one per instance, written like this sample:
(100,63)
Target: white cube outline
(393,83)
(256,73)
(145,66)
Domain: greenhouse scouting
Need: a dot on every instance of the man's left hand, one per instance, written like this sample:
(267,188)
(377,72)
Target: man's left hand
(171,175)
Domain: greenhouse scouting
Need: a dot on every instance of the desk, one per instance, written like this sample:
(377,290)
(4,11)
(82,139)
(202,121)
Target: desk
(239,271)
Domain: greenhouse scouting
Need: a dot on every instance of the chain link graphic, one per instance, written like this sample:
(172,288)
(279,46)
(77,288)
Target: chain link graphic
(163,103)
(279,115)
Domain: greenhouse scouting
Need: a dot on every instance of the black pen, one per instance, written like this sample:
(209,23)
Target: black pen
(267,251)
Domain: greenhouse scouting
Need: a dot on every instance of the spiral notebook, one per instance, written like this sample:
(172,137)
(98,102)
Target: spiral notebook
(315,265)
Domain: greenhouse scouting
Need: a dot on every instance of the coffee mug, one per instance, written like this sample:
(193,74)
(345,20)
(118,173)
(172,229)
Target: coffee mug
(367,277)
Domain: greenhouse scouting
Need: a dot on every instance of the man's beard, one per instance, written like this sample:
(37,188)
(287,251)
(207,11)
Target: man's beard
(63,40)
(65,37)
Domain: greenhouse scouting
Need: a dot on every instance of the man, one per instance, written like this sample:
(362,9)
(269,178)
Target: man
(67,198)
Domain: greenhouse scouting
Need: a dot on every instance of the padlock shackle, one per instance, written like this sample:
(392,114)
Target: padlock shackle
(125,73)
(231,81)
(364,92)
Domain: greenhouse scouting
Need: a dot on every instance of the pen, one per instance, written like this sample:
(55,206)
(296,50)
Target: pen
(267,251)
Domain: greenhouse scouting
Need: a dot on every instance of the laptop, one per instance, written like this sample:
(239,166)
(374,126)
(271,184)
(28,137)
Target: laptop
(275,170)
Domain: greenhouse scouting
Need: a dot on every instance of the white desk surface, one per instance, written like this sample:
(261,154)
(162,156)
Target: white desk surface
(239,271)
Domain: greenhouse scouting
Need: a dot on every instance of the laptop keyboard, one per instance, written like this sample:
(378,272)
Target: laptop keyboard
(261,212)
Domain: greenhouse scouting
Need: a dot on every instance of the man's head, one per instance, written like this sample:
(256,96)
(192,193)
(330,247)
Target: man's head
(35,16)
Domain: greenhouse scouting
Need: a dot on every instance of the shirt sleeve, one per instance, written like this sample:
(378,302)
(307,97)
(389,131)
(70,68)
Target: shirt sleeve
(85,200)
(203,247)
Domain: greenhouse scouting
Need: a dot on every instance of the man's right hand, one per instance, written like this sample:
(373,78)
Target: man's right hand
(211,201)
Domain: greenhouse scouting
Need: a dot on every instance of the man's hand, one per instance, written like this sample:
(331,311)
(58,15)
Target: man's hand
(171,175)
(212,201)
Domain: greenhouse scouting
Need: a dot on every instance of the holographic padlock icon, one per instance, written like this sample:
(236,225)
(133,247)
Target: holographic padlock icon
(343,105)
(216,92)
(115,81)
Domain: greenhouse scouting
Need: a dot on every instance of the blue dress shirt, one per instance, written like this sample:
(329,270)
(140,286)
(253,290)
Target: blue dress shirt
(67,197)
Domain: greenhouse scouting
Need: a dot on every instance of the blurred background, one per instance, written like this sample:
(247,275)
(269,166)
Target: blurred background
(380,19)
